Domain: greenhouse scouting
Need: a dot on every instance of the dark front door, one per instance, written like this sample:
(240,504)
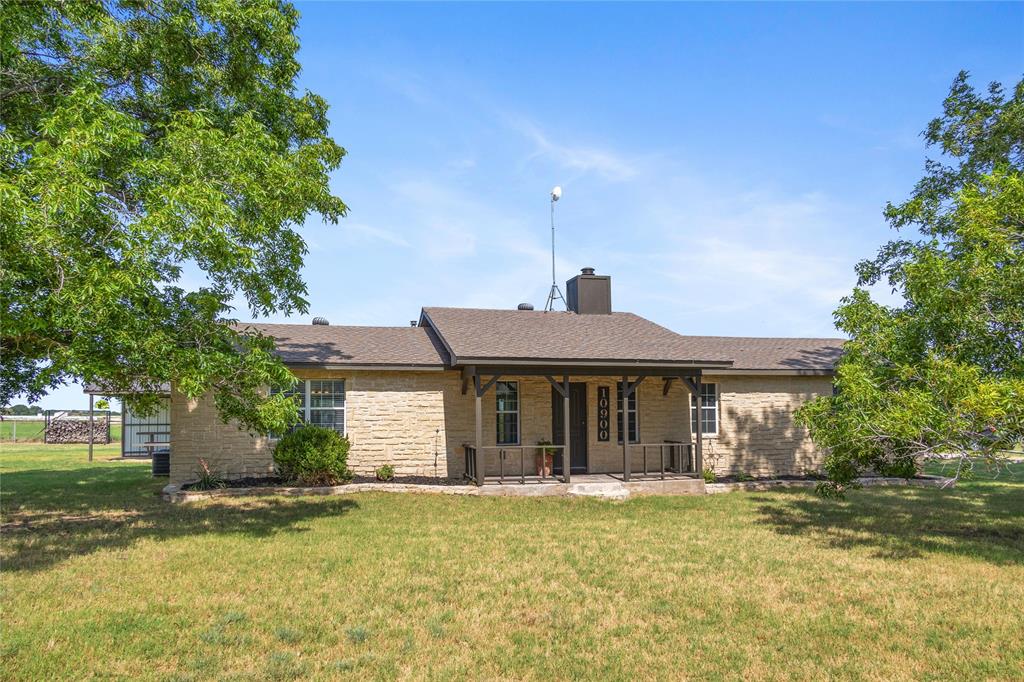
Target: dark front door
(577,426)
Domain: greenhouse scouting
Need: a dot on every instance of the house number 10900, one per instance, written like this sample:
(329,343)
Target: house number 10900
(603,414)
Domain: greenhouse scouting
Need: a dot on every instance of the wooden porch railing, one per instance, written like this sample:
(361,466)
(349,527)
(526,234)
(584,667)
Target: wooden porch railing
(503,450)
(679,457)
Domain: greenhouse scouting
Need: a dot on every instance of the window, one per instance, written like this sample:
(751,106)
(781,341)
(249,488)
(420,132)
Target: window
(634,415)
(321,402)
(507,409)
(708,410)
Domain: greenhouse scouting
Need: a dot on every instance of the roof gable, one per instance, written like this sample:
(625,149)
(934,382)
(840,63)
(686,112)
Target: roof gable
(479,335)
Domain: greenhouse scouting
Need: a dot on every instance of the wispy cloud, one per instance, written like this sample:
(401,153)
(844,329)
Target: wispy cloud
(583,159)
(377,233)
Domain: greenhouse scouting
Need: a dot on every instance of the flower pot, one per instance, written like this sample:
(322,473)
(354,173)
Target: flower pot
(543,462)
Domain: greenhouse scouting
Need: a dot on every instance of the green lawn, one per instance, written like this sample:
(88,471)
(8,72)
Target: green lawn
(103,579)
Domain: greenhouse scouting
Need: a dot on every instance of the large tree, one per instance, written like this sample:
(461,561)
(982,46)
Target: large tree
(942,373)
(156,157)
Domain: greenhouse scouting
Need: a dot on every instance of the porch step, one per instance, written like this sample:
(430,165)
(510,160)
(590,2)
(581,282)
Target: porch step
(610,490)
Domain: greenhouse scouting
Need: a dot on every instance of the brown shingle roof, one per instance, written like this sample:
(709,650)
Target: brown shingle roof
(476,334)
(327,344)
(776,353)
(495,335)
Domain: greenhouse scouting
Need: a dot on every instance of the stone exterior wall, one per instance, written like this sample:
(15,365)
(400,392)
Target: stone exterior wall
(419,422)
(197,432)
(756,431)
(415,421)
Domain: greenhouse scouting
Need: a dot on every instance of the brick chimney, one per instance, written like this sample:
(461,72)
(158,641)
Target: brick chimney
(589,294)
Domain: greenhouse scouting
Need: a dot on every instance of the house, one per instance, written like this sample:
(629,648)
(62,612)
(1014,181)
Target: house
(471,393)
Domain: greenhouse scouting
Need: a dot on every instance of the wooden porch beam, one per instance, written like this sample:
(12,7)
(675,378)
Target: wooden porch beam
(567,449)
(478,453)
(580,370)
(480,390)
(698,451)
(665,388)
(558,387)
(633,385)
(625,429)
(468,373)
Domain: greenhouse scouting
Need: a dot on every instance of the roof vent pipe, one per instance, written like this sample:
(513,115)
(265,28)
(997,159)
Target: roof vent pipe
(413,323)
(320,321)
(525,306)
(587,271)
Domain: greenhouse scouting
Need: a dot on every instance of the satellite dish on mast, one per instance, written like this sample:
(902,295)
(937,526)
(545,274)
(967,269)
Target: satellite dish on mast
(555,294)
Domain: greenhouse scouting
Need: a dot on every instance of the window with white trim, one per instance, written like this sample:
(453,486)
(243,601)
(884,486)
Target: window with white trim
(506,396)
(634,415)
(708,410)
(321,402)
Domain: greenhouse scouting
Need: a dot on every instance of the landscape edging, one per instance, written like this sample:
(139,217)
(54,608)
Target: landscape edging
(174,494)
(866,481)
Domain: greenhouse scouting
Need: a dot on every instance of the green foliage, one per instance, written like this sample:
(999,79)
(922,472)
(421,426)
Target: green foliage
(357,634)
(385,472)
(709,476)
(207,479)
(21,410)
(545,446)
(313,455)
(144,145)
(943,373)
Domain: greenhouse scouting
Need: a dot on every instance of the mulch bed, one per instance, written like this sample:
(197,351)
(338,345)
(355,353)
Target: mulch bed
(413,480)
(761,479)
(758,479)
(275,481)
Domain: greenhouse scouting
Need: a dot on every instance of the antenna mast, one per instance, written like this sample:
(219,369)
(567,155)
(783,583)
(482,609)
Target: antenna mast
(555,294)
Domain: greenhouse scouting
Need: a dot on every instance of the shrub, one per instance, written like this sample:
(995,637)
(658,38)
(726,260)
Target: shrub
(744,476)
(207,478)
(709,476)
(385,473)
(313,455)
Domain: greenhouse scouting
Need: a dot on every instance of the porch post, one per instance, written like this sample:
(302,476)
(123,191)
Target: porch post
(478,452)
(698,453)
(625,429)
(566,450)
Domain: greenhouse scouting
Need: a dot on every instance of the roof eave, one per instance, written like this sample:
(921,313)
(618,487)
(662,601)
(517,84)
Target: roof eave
(576,362)
(368,366)
(788,372)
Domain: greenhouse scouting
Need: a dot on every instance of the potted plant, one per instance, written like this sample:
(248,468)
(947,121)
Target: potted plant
(545,457)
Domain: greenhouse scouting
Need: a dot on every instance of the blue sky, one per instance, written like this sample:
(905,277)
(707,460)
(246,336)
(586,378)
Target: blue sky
(727,164)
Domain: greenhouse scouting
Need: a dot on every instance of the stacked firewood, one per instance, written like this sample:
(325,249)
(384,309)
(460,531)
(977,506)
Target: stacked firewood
(77,431)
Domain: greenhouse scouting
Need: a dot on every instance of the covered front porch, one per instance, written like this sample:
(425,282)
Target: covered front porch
(559,425)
